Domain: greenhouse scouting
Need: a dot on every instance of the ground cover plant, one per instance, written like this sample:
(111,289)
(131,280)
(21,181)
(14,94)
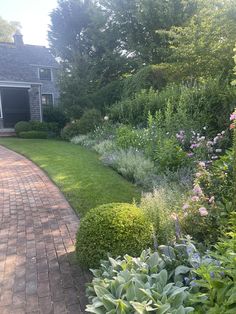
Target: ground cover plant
(84,181)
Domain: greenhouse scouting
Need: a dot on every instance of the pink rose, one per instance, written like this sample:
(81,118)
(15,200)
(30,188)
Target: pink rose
(195,198)
(185,206)
(203,211)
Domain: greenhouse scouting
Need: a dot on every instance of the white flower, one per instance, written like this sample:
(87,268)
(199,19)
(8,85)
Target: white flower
(106,118)
(218,150)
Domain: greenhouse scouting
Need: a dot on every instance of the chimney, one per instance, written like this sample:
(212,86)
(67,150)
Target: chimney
(18,39)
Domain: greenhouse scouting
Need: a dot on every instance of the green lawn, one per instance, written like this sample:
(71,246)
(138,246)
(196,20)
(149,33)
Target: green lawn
(79,174)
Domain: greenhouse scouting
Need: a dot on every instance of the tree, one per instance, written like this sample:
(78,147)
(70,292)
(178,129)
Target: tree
(7,29)
(140,24)
(204,47)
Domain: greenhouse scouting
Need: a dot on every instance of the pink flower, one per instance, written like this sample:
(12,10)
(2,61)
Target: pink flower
(233,116)
(185,206)
(198,174)
(203,211)
(197,190)
(190,155)
(195,198)
(202,164)
(211,199)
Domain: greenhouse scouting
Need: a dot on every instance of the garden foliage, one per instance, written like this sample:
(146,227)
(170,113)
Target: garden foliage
(106,229)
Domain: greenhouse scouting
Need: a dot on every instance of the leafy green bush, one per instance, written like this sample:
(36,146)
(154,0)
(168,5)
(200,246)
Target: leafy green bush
(34,134)
(151,76)
(191,106)
(135,110)
(169,155)
(116,228)
(70,130)
(22,126)
(217,280)
(127,137)
(55,115)
(89,121)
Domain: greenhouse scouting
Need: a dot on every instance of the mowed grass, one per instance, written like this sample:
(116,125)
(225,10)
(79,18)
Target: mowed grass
(79,174)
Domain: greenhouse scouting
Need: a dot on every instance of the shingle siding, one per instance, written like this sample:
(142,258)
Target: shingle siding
(21,63)
(35,103)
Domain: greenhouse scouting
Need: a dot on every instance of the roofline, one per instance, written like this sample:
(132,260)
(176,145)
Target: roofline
(18,84)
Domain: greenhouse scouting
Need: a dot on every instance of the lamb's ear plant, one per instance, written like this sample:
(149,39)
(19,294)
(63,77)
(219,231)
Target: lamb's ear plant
(138,285)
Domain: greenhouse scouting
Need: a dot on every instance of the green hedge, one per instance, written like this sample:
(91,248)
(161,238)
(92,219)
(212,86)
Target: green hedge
(116,228)
(34,134)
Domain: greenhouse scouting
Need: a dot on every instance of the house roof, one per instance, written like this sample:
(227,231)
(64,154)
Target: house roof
(20,62)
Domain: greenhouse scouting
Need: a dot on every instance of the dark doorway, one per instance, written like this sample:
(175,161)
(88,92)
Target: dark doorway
(15,106)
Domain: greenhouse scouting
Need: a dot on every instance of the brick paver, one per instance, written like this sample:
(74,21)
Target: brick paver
(38,273)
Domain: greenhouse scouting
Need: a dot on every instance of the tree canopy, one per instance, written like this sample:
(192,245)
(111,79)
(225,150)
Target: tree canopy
(104,41)
(7,29)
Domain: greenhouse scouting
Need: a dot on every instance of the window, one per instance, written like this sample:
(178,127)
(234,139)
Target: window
(47,100)
(45,74)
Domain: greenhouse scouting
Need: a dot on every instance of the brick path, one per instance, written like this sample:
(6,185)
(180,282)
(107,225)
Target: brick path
(38,273)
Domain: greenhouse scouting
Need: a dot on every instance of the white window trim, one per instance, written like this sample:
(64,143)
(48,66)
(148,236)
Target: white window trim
(48,94)
(1,114)
(42,67)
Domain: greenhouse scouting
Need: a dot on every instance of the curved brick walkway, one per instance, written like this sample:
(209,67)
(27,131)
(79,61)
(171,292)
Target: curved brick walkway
(37,231)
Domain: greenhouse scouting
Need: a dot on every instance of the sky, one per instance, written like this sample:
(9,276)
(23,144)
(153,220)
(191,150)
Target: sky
(33,16)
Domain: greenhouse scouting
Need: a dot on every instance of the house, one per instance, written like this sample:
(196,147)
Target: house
(27,81)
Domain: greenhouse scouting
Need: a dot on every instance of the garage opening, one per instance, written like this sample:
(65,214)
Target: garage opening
(15,106)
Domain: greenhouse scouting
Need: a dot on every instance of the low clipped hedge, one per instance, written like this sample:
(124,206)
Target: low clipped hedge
(51,128)
(34,134)
(23,126)
(117,229)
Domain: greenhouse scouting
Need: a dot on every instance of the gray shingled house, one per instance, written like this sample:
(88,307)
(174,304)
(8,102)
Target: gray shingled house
(27,81)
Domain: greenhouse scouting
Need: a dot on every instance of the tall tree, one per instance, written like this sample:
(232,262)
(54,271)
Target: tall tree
(7,29)
(204,47)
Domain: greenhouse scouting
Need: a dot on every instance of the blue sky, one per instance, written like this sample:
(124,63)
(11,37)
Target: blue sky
(33,16)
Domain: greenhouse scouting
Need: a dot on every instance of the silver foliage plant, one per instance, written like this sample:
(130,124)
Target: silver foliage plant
(154,282)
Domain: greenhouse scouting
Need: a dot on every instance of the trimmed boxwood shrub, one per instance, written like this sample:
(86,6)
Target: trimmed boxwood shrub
(116,228)
(34,134)
(23,126)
